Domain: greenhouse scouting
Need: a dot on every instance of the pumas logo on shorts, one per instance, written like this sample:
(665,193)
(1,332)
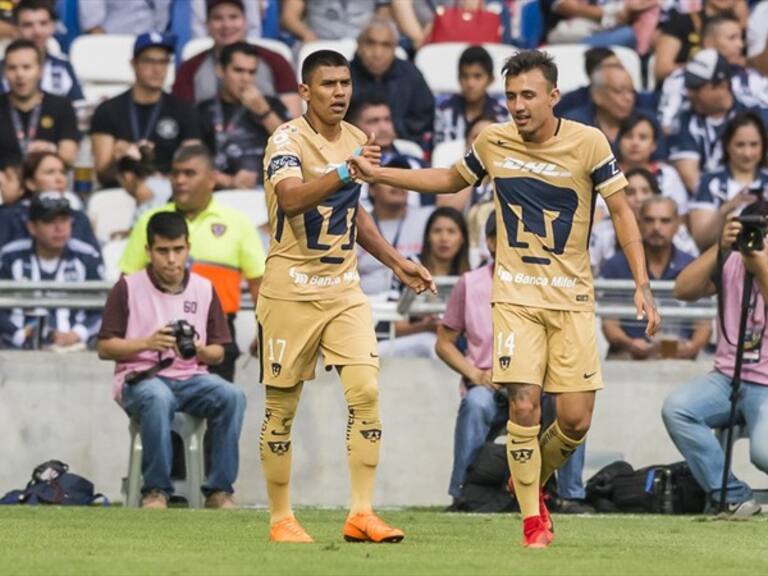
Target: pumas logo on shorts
(504,362)
(372,435)
(522,456)
(276,369)
(279,448)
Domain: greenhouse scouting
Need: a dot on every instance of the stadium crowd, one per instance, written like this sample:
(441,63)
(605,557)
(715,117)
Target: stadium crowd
(687,125)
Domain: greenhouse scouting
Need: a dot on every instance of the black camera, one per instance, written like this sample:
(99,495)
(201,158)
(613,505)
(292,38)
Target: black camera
(143,167)
(185,334)
(753,229)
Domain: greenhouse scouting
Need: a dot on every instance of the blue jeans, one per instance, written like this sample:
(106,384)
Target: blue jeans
(153,402)
(621,36)
(478,414)
(703,403)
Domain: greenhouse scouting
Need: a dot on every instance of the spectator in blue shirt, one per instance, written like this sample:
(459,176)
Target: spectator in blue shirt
(455,112)
(50,254)
(742,180)
(36,21)
(122,17)
(658,225)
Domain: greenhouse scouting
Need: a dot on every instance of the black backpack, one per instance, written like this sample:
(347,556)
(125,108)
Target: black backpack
(52,483)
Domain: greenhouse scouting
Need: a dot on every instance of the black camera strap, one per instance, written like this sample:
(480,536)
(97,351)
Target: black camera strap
(133,378)
(717,279)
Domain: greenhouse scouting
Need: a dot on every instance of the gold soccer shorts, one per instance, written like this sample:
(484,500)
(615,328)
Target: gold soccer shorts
(292,333)
(553,348)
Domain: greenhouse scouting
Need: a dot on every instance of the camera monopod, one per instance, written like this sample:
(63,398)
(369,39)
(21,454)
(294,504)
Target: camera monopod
(735,384)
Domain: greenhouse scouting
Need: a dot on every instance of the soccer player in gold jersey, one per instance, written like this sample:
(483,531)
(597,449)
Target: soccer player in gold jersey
(310,299)
(546,173)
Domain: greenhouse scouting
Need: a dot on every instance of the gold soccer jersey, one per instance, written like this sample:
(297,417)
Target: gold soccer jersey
(545,198)
(311,255)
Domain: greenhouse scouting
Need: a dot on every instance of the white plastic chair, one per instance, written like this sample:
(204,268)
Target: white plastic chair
(198,45)
(439,64)
(251,202)
(447,153)
(111,253)
(110,210)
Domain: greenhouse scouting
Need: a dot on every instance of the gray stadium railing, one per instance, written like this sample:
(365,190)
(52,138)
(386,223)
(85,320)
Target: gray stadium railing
(614,299)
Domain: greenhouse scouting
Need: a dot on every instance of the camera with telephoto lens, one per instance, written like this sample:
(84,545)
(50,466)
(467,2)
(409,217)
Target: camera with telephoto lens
(185,334)
(753,229)
(143,167)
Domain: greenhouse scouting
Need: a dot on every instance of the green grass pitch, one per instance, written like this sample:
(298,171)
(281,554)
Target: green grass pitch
(103,541)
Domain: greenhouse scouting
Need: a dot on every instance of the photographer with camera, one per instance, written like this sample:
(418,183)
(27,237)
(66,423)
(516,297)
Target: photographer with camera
(702,404)
(164,326)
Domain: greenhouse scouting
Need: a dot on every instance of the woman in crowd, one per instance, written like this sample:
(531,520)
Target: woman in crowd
(445,252)
(741,181)
(43,173)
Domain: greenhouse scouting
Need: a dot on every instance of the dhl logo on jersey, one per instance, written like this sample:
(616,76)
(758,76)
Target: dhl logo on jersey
(540,168)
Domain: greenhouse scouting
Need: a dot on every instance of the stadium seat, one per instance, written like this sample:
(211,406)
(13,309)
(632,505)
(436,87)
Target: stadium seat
(191,430)
(409,148)
(439,63)
(447,153)
(197,45)
(110,210)
(570,64)
(346,47)
(111,253)
(102,63)
(252,202)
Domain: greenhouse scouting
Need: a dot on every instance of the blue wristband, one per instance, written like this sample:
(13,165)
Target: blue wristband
(343,173)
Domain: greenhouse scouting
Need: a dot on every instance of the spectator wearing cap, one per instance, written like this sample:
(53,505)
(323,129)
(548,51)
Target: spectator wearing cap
(36,21)
(750,88)
(757,37)
(658,221)
(400,224)
(136,133)
(237,122)
(372,114)
(326,19)
(375,69)
(32,120)
(454,112)
(681,33)
(43,175)
(612,99)
(121,17)
(50,254)
(696,146)
(226,21)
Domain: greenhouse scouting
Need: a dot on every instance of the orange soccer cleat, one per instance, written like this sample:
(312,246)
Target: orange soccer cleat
(535,533)
(289,531)
(367,527)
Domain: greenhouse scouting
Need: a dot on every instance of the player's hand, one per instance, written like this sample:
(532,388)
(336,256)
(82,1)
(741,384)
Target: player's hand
(415,276)
(361,168)
(646,309)
(371,151)
(161,340)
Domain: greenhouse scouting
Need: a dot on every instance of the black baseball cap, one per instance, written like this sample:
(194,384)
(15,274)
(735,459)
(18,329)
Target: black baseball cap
(47,207)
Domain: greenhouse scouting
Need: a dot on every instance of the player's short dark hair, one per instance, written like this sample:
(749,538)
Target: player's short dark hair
(23,44)
(648,176)
(241,47)
(594,57)
(321,58)
(527,60)
(746,118)
(631,122)
(33,5)
(477,55)
(360,105)
(189,151)
(170,225)
(713,23)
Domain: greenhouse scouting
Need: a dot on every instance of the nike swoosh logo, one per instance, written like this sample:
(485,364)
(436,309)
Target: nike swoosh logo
(367,423)
(501,143)
(587,376)
(373,355)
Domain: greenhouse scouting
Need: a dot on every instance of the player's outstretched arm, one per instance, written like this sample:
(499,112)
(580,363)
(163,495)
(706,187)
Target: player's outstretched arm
(424,180)
(413,275)
(628,234)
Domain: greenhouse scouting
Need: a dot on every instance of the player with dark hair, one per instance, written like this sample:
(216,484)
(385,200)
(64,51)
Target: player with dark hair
(311,301)
(546,174)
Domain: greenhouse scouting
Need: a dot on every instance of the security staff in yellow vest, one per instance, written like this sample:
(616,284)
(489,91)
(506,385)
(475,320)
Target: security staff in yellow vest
(224,244)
